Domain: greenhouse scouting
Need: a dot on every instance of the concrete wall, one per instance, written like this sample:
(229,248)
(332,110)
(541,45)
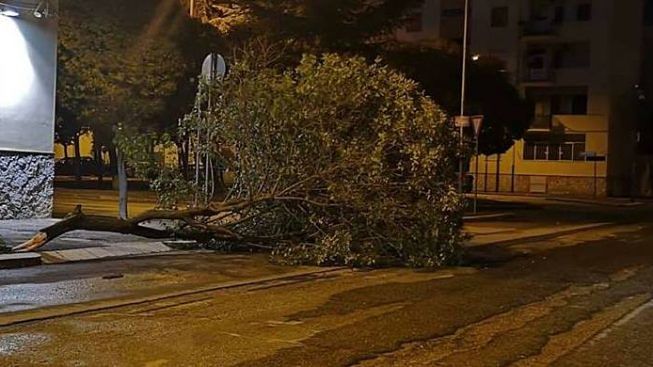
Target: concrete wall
(27,102)
(26,189)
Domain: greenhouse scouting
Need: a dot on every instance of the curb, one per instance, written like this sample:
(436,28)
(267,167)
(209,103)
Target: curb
(482,217)
(22,260)
(60,311)
(546,236)
(630,204)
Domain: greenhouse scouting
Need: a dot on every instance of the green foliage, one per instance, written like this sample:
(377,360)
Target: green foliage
(126,63)
(346,162)
(167,182)
(364,27)
(318,24)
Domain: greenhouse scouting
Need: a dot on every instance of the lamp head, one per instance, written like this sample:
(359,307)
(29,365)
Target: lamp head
(9,12)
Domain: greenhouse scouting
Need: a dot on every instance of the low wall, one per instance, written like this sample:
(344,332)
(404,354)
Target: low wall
(552,185)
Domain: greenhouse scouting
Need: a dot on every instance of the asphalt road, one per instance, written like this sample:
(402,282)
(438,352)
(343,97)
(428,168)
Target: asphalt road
(583,299)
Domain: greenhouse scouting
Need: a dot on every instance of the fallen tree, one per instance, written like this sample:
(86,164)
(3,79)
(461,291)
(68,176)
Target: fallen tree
(334,162)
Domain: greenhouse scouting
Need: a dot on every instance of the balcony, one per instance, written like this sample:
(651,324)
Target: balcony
(541,123)
(537,29)
(538,76)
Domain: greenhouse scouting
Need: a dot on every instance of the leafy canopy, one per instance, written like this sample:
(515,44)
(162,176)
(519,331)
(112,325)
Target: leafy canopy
(349,163)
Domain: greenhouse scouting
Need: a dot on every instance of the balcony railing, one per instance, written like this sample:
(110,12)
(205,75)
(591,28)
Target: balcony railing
(538,75)
(538,27)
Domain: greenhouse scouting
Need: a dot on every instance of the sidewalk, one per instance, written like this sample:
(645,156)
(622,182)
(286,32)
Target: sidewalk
(485,229)
(79,245)
(541,199)
(506,233)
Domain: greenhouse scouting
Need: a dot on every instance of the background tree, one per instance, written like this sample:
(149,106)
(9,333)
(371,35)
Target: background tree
(364,27)
(316,24)
(489,91)
(128,66)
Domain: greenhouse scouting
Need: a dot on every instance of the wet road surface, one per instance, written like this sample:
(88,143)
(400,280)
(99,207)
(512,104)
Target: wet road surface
(579,300)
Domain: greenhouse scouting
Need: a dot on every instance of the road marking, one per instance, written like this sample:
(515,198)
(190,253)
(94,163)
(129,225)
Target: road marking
(623,321)
(474,337)
(562,344)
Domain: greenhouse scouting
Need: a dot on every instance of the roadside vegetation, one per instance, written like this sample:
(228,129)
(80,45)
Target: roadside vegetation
(335,162)
(320,148)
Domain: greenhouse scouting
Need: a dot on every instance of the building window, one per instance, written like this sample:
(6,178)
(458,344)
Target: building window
(414,22)
(453,13)
(499,17)
(575,104)
(648,13)
(541,151)
(579,151)
(553,152)
(579,104)
(559,14)
(584,12)
(567,152)
(569,147)
(572,56)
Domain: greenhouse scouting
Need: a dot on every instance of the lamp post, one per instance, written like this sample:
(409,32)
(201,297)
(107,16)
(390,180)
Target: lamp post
(462,95)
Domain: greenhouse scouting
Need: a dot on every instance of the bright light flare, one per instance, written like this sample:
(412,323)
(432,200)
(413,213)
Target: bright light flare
(16,69)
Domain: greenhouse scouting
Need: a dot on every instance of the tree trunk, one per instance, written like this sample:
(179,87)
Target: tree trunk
(498,174)
(182,150)
(97,152)
(65,151)
(78,166)
(77,220)
(122,185)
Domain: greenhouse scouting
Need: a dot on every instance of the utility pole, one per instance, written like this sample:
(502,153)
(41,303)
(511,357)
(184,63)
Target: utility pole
(462,94)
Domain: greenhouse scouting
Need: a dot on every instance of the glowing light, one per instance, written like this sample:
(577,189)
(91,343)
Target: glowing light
(9,12)
(476,57)
(16,70)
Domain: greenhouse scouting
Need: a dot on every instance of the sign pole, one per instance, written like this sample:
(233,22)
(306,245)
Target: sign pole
(476,180)
(595,174)
(477,123)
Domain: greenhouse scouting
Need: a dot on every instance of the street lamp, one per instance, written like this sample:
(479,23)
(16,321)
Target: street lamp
(462,95)
(9,12)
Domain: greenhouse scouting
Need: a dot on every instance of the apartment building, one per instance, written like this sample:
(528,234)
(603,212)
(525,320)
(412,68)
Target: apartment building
(436,23)
(582,64)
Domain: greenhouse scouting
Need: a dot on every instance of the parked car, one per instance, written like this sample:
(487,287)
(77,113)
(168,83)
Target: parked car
(66,167)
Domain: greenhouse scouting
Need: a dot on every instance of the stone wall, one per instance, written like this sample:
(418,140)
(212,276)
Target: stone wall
(555,185)
(26,185)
